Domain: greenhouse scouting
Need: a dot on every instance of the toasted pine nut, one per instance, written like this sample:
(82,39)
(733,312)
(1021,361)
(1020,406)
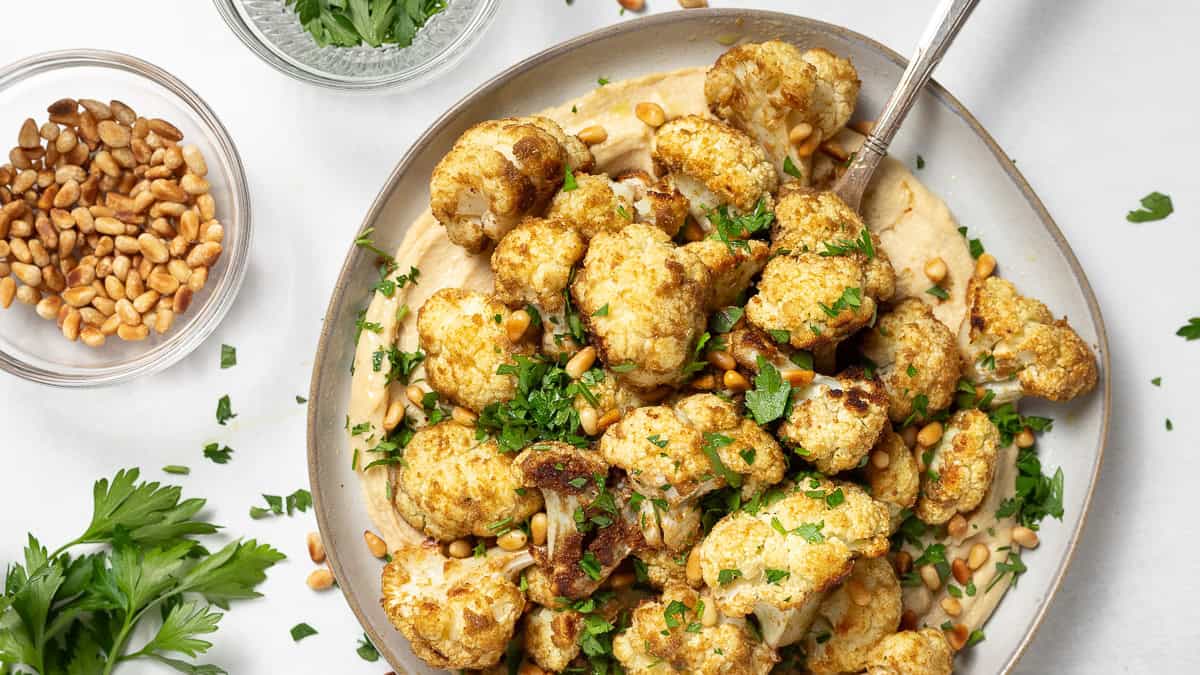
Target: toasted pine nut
(463,416)
(513,540)
(48,307)
(734,380)
(320,579)
(858,593)
(1024,536)
(593,135)
(92,336)
(8,291)
(798,377)
(395,413)
(864,127)
(1025,439)
(929,575)
(622,580)
(957,527)
(800,133)
(902,562)
(930,434)
(692,570)
(132,333)
(810,144)
(581,362)
(376,545)
(835,150)
(29,275)
(194,160)
(538,525)
(957,636)
(79,296)
(632,5)
(985,265)
(880,459)
(935,269)
(722,359)
(459,548)
(72,324)
(316,549)
(517,324)
(962,574)
(607,420)
(951,605)
(193,184)
(164,320)
(589,421)
(415,395)
(710,617)
(692,230)
(111,324)
(978,556)
(129,315)
(704,382)
(651,113)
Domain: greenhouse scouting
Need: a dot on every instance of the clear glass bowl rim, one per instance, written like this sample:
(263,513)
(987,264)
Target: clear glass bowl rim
(445,59)
(210,314)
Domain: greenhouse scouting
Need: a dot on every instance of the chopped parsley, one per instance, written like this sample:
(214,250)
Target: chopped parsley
(851,299)
(603,311)
(1169,428)
(177,469)
(1190,331)
(1155,206)
(975,637)
(771,395)
(224,410)
(776,576)
(301,631)
(366,651)
(218,454)
(920,162)
(1156,382)
(301,400)
(811,532)
(1012,564)
(734,230)
(726,577)
(569,183)
(938,292)
(840,247)
(300,500)
(591,566)
(658,440)
(724,319)
(542,410)
(674,614)
(711,443)
(790,169)
(228,356)
(601,81)
(747,455)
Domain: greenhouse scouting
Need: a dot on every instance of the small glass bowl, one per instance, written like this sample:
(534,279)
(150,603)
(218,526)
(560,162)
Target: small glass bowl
(34,348)
(272,31)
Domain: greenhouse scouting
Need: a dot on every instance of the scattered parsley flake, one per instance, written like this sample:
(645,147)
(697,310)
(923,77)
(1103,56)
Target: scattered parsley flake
(301,631)
(224,410)
(1155,206)
(228,356)
(218,454)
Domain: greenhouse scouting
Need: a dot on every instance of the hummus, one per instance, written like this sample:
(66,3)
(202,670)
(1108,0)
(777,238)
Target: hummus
(913,225)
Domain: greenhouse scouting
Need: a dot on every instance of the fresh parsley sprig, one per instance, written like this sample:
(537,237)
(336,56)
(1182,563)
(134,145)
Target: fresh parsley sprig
(350,23)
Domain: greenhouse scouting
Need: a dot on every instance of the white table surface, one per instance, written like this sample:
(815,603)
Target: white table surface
(1089,97)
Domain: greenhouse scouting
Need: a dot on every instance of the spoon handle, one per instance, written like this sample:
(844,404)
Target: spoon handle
(943,26)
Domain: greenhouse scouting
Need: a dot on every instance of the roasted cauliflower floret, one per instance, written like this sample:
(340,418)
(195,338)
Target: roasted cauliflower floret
(917,359)
(499,171)
(835,422)
(747,343)
(895,480)
(600,204)
(532,264)
(664,568)
(732,267)
(655,294)
(959,469)
(451,485)
(587,518)
(456,613)
(767,89)
(552,637)
(912,652)
(821,222)
(672,632)
(798,546)
(712,165)
(818,300)
(744,448)
(464,345)
(854,618)
(1017,348)
(656,203)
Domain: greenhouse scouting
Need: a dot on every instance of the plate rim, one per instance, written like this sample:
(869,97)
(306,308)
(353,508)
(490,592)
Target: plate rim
(934,87)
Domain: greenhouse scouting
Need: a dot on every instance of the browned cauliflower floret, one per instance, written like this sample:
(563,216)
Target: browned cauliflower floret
(464,344)
(712,165)
(959,468)
(818,300)
(912,652)
(552,637)
(451,485)
(532,264)
(917,359)
(854,618)
(672,634)
(499,171)
(791,549)
(1016,347)
(821,222)
(456,613)
(747,343)
(893,474)
(655,203)
(663,567)
(836,421)
(766,89)
(732,268)
(655,294)
(594,205)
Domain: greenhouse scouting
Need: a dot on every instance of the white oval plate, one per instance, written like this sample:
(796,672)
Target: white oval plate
(965,167)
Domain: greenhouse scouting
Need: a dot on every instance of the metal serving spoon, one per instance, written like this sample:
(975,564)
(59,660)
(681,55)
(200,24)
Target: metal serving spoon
(943,27)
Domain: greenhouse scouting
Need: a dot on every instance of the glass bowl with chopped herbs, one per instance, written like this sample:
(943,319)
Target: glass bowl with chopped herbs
(359,44)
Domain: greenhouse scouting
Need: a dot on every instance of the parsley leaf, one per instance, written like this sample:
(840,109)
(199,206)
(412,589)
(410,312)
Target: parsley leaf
(224,410)
(790,168)
(938,292)
(177,469)
(776,576)
(228,356)
(569,183)
(301,631)
(724,319)
(734,230)
(709,447)
(1155,206)
(217,454)
(726,577)
(1191,331)
(366,651)
(920,162)
(769,399)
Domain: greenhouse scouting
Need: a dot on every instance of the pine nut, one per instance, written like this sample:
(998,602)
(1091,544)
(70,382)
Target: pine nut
(722,359)
(198,279)
(194,160)
(463,416)
(929,575)
(810,144)
(880,459)
(692,230)
(902,562)
(459,548)
(589,421)
(182,300)
(651,113)
(710,617)
(133,333)
(858,593)
(395,413)
(704,382)
(204,254)
(798,377)
(92,336)
(957,527)
(114,135)
(734,380)
(517,324)
(193,184)
(163,282)
(978,556)
(513,540)
(593,135)
(607,420)
(8,291)
(129,315)
(208,207)
(1024,536)
(28,136)
(316,549)
(864,127)
(164,320)
(78,296)
(581,362)
(48,307)
(1025,439)
(835,150)
(800,133)
(930,434)
(951,605)
(28,295)
(165,129)
(985,265)
(935,270)
(538,526)
(375,545)
(320,579)
(111,324)
(415,395)
(962,574)
(632,5)
(692,570)
(145,301)
(957,636)
(72,324)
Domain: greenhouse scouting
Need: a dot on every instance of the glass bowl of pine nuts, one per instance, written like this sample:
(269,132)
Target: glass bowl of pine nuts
(124,219)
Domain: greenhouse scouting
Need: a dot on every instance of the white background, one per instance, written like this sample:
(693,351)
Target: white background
(1096,101)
